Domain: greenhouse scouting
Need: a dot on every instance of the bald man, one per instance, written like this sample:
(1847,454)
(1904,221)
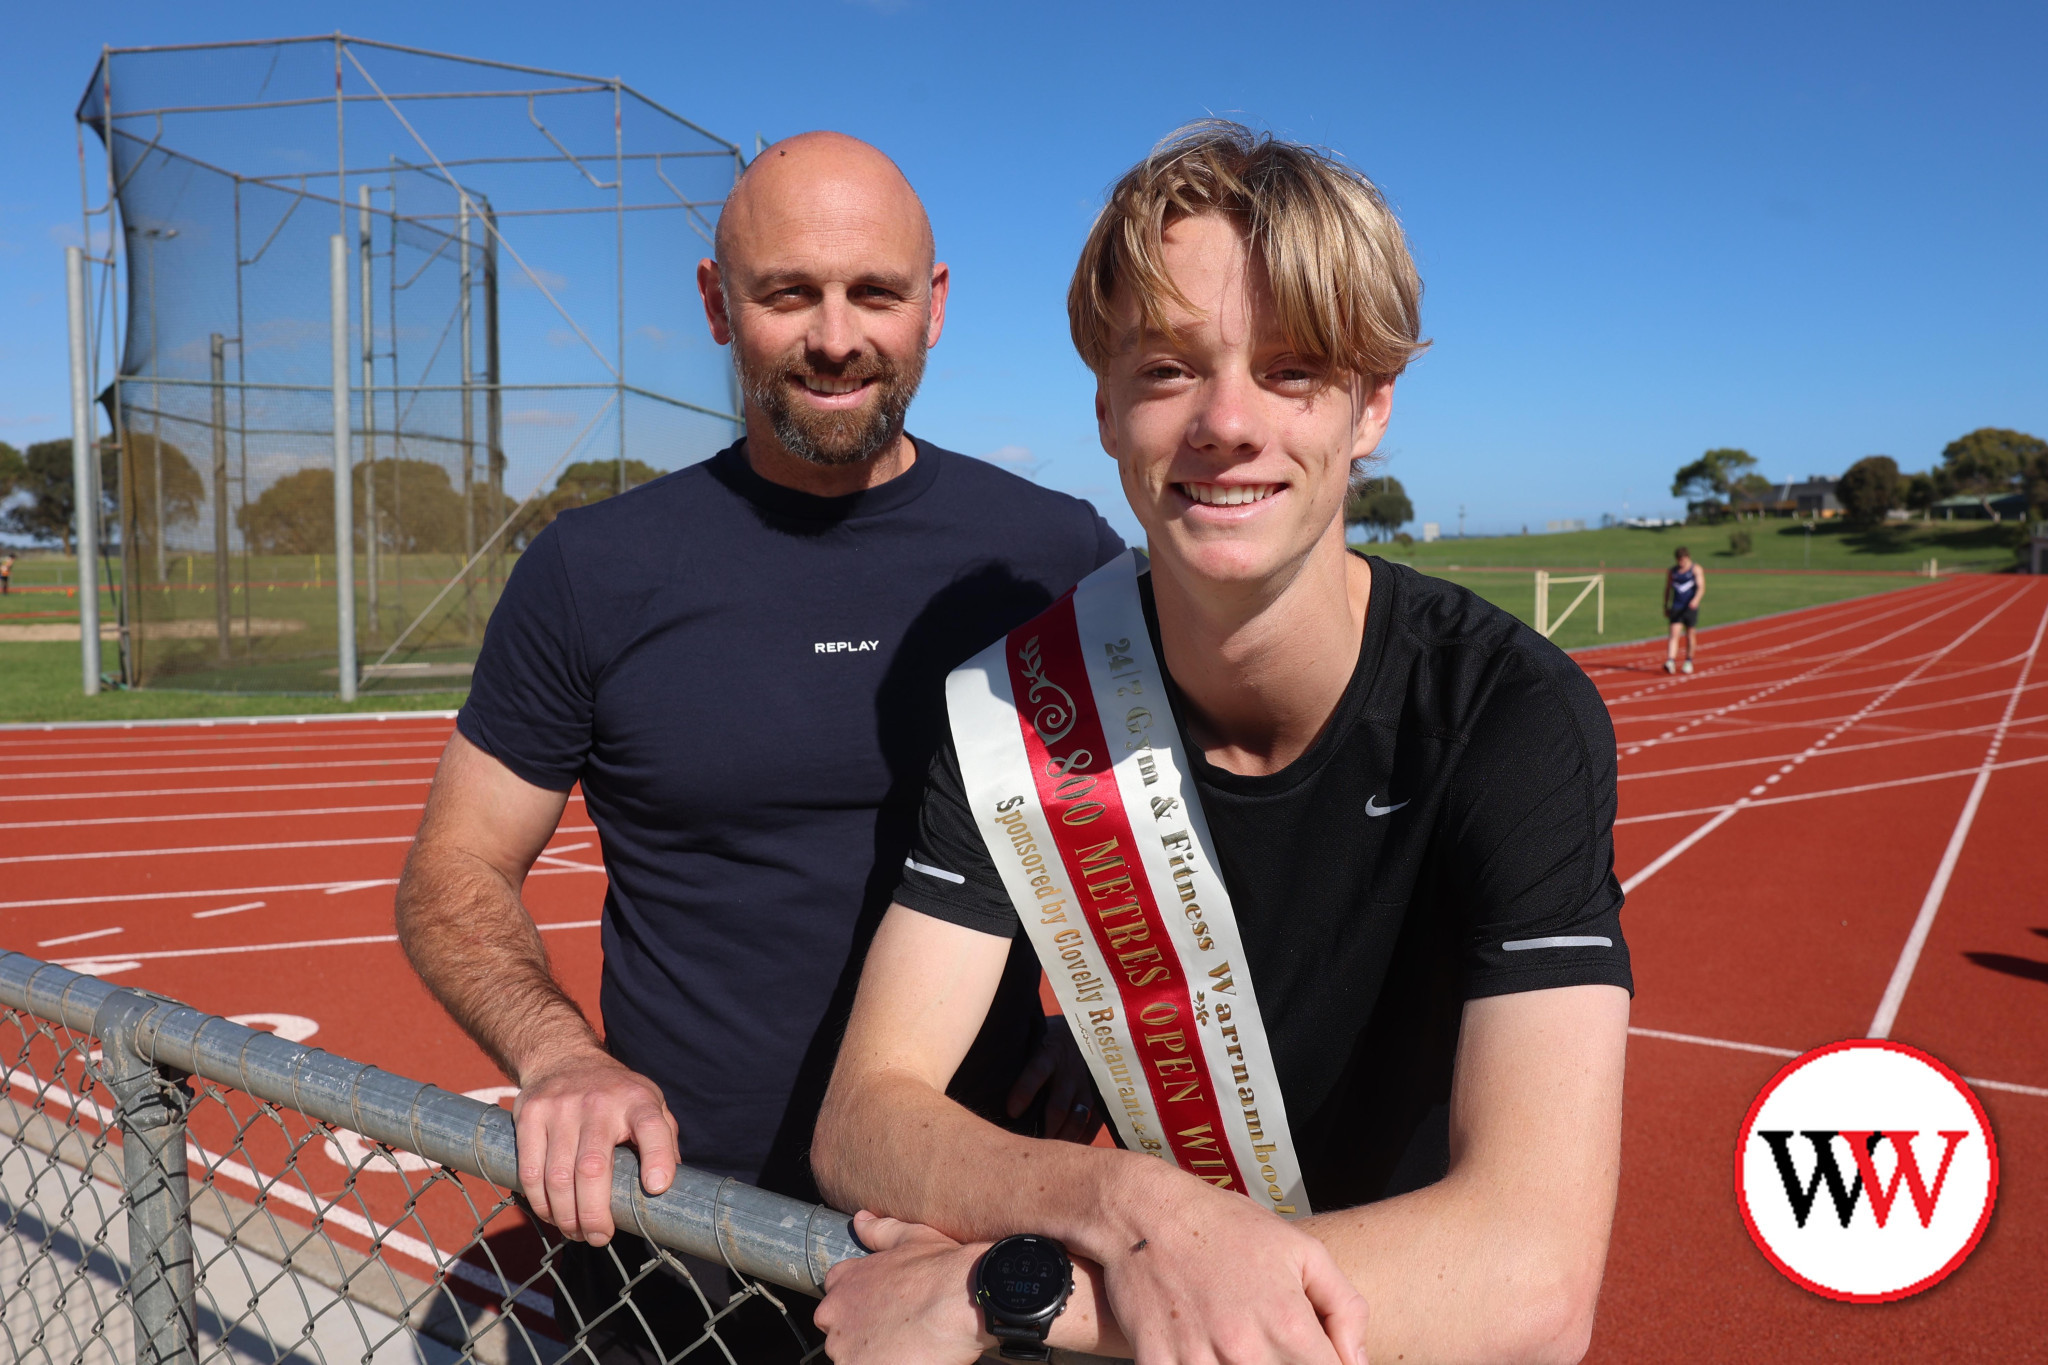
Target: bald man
(743,665)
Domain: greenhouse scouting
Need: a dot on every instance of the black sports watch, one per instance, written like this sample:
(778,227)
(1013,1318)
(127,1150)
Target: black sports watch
(1022,1284)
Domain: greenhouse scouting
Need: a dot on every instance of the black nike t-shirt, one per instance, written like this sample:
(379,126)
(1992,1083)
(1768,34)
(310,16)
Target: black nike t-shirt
(1448,836)
(749,683)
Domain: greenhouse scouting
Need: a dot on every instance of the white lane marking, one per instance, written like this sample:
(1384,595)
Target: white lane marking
(1809,698)
(1751,661)
(222,768)
(285,812)
(1819,668)
(239,948)
(219,892)
(1665,859)
(223,791)
(209,723)
(91,968)
(567,848)
(1836,791)
(1918,737)
(95,856)
(1923,924)
(1519,945)
(7,756)
(339,887)
(293,1028)
(2012,1086)
(939,872)
(229,910)
(78,938)
(1748,727)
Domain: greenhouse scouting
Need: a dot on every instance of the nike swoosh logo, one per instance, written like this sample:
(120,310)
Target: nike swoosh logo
(1373,808)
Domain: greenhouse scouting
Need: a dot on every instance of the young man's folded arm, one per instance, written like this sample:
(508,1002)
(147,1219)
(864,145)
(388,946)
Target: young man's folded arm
(1501,1260)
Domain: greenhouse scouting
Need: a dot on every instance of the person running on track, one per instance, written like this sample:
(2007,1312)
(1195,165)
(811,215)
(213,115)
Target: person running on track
(1685,587)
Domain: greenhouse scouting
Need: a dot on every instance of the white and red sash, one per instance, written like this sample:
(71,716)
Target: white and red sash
(1076,778)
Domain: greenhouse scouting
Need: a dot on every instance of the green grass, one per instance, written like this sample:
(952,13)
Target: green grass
(1967,546)
(1635,601)
(40,682)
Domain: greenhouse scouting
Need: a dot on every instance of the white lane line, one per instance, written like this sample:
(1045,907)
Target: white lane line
(8,757)
(78,938)
(1917,737)
(104,968)
(1732,667)
(1909,958)
(1744,726)
(1819,668)
(97,855)
(2012,1086)
(240,948)
(229,910)
(224,768)
(1665,859)
(1994,666)
(1834,791)
(218,892)
(569,848)
(224,791)
(379,718)
(284,812)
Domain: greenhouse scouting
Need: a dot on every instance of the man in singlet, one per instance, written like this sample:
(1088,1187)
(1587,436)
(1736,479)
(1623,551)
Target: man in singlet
(1684,588)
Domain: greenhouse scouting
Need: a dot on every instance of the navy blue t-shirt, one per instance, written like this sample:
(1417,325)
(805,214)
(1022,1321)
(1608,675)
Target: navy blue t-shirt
(749,683)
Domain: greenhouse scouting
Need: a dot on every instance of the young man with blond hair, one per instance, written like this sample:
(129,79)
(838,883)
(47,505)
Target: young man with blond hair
(1316,852)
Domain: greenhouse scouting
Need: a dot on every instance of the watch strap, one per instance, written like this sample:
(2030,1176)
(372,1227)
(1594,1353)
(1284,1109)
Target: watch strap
(1021,1343)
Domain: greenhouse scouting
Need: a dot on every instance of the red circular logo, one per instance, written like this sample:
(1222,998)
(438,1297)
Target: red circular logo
(1866,1171)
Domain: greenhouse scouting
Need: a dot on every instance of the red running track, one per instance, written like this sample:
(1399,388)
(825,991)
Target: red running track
(1831,788)
(1825,833)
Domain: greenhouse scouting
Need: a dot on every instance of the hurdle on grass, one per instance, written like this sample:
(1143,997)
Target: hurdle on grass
(1596,584)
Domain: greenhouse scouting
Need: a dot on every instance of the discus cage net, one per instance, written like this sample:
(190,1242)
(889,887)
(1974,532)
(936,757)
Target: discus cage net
(518,246)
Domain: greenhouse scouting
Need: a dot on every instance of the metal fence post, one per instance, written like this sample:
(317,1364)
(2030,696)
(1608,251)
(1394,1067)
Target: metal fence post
(152,1107)
(85,484)
(344,475)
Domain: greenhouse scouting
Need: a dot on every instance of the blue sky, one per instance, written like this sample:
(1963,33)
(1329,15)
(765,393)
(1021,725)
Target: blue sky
(1814,231)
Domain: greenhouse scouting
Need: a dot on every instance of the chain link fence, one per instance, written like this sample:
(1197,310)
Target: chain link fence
(178,1188)
(516,319)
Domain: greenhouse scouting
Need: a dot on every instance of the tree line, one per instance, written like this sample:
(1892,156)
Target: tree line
(1988,463)
(419,506)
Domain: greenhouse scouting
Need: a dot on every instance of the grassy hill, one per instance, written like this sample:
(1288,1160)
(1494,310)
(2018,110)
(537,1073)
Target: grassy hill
(1966,546)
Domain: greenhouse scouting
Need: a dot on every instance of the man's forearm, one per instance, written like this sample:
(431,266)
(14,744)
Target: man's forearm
(865,1158)
(465,931)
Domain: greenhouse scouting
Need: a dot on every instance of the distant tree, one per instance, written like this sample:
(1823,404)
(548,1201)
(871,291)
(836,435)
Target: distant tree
(1751,488)
(1705,484)
(1920,492)
(37,482)
(1991,460)
(419,511)
(1380,504)
(139,460)
(1868,489)
(580,485)
(2035,480)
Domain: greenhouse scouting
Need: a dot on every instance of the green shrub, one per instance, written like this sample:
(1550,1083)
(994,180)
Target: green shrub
(1739,542)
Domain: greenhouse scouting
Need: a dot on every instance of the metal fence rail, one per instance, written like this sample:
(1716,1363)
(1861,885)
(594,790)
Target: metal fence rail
(285,1204)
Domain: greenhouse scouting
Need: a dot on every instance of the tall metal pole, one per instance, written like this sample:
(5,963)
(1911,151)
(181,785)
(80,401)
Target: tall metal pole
(468,434)
(156,405)
(619,260)
(494,407)
(85,484)
(344,482)
(370,566)
(218,349)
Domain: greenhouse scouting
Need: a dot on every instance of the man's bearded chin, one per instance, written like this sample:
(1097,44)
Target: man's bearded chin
(851,437)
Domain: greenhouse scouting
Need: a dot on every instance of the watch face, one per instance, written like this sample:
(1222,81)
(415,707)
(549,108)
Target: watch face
(1025,1275)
